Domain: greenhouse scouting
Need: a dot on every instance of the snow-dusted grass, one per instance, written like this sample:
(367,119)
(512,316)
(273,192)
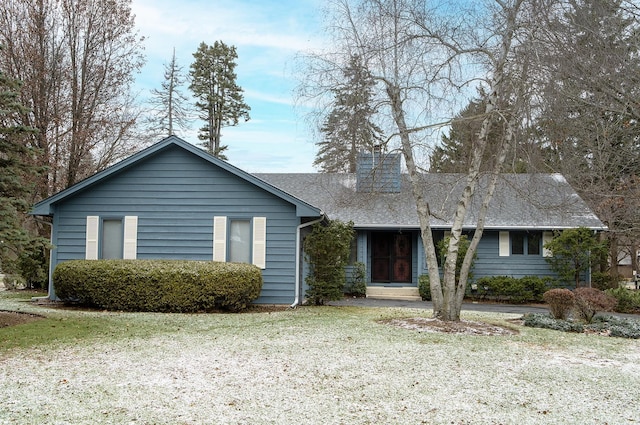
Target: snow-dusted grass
(327,365)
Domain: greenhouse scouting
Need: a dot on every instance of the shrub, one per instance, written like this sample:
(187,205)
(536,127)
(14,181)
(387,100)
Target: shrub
(603,280)
(506,288)
(605,325)
(424,287)
(628,300)
(358,283)
(589,301)
(572,252)
(537,286)
(158,285)
(33,263)
(463,246)
(327,249)
(544,321)
(560,302)
(617,326)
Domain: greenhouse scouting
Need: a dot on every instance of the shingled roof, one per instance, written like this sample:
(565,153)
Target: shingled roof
(521,201)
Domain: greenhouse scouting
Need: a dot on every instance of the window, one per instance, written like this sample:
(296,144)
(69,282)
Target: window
(526,243)
(517,243)
(533,243)
(111,238)
(240,240)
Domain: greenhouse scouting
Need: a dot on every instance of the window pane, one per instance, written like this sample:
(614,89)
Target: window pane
(112,239)
(517,243)
(353,256)
(240,241)
(533,243)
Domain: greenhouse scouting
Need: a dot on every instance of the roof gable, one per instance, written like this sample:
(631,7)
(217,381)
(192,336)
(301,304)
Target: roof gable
(46,207)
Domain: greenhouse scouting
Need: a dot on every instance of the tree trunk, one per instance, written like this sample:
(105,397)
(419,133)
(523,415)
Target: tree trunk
(417,189)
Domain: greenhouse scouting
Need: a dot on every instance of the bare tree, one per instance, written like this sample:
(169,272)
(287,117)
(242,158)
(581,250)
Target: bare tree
(77,60)
(170,104)
(589,117)
(420,55)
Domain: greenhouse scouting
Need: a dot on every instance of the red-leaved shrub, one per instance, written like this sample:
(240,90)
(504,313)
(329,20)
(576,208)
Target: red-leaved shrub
(589,301)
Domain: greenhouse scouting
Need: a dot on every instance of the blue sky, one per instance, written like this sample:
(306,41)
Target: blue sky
(268,34)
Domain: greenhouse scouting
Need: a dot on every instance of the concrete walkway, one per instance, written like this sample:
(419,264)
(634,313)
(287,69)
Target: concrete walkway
(467,306)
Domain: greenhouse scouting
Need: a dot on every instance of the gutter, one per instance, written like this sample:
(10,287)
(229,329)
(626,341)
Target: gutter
(296,301)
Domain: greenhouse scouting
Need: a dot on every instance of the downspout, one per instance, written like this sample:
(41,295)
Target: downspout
(296,301)
(50,280)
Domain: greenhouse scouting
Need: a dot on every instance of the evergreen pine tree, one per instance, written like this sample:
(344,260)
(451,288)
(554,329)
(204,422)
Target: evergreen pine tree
(453,154)
(220,99)
(16,171)
(349,127)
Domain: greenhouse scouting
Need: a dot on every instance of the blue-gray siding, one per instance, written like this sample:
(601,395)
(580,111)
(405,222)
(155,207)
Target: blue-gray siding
(488,261)
(378,172)
(175,196)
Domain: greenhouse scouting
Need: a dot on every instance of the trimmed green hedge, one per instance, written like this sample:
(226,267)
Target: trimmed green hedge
(500,288)
(511,289)
(158,285)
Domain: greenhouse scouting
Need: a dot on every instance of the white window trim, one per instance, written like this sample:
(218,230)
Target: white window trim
(504,244)
(546,237)
(258,242)
(220,238)
(91,237)
(259,249)
(130,239)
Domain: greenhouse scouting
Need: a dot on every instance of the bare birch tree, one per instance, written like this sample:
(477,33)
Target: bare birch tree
(420,54)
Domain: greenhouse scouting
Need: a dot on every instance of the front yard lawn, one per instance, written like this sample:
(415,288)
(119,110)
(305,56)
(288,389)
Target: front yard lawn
(312,365)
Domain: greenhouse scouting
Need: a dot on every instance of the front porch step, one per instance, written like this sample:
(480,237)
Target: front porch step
(407,293)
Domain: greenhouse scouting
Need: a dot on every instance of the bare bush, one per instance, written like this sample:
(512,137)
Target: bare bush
(560,302)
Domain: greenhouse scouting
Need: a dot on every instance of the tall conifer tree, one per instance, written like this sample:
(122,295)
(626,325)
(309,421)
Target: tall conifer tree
(170,110)
(349,127)
(220,99)
(16,171)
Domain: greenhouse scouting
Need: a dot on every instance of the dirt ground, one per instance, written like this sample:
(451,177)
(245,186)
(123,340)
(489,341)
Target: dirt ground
(11,318)
(466,327)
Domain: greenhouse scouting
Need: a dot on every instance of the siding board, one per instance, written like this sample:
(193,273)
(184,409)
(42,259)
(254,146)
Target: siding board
(175,196)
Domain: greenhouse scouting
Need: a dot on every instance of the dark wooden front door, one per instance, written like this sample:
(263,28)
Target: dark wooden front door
(391,257)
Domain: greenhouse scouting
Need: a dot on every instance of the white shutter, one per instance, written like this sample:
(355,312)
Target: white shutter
(504,244)
(130,249)
(546,237)
(219,238)
(260,241)
(91,243)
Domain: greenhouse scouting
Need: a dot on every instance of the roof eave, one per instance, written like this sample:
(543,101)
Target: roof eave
(46,206)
